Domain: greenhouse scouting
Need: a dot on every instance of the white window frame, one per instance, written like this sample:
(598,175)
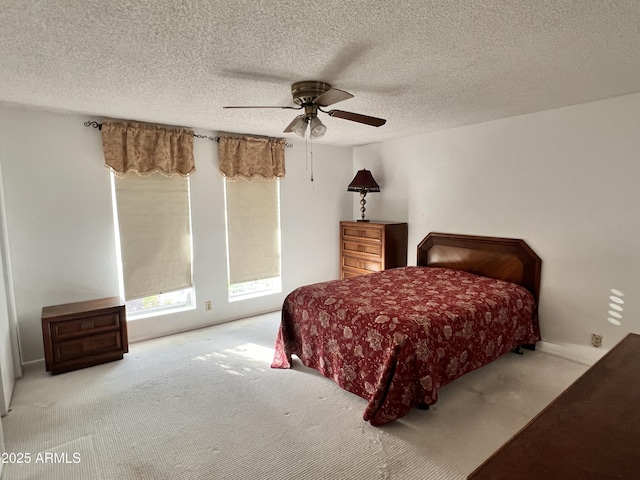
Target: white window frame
(256,288)
(153,311)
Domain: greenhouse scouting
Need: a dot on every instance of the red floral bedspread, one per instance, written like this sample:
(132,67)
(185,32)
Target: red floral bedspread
(395,337)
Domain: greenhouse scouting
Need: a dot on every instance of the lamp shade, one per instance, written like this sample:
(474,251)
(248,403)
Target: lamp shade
(363,182)
(316,127)
(299,125)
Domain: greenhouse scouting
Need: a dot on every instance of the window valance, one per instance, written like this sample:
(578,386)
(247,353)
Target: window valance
(144,149)
(250,157)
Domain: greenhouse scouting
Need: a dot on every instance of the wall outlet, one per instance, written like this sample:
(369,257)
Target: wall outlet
(207,305)
(596,340)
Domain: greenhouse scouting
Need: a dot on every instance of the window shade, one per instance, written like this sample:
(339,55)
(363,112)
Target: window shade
(155,234)
(253,229)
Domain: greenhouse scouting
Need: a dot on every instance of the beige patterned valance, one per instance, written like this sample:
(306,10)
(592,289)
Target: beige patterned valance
(250,157)
(144,149)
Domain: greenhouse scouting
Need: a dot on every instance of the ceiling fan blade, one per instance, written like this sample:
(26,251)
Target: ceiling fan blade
(264,106)
(331,96)
(357,117)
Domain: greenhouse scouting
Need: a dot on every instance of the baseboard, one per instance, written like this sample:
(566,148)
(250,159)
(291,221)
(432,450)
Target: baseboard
(176,332)
(32,362)
(144,338)
(576,353)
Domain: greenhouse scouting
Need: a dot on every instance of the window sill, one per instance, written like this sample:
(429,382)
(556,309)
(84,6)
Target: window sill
(158,313)
(247,296)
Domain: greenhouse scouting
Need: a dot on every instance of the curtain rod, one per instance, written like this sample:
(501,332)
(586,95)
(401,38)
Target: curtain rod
(207,137)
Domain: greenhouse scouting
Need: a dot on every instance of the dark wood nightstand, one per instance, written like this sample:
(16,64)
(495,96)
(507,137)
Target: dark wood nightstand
(83,334)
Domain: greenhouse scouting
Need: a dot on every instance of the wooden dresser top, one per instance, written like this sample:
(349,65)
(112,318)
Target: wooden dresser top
(81,307)
(591,431)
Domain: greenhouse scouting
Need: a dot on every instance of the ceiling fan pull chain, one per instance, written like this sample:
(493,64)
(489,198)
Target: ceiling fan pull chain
(308,150)
(311,143)
(306,154)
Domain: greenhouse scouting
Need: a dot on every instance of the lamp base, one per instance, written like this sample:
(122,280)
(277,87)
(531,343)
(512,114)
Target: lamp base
(363,193)
(362,220)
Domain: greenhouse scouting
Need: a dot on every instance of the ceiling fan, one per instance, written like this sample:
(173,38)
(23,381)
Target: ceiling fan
(312,96)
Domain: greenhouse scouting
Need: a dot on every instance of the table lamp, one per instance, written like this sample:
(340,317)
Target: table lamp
(363,182)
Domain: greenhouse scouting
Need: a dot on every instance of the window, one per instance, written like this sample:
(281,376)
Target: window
(253,237)
(153,222)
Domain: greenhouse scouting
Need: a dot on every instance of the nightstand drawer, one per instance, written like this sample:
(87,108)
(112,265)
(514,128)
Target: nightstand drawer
(87,346)
(361,264)
(353,233)
(349,273)
(84,326)
(361,247)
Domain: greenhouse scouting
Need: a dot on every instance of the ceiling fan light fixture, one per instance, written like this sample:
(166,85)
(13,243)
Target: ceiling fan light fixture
(299,126)
(317,128)
(310,96)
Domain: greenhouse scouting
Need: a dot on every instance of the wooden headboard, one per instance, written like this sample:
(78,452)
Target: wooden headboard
(507,259)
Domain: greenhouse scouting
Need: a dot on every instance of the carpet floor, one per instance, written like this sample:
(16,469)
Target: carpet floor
(206,405)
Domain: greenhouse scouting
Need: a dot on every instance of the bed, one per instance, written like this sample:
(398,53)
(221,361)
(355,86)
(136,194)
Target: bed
(396,337)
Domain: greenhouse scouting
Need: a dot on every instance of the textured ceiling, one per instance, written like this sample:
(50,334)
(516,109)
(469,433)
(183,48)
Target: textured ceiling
(422,65)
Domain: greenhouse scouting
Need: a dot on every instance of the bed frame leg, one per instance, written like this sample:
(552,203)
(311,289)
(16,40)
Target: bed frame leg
(528,346)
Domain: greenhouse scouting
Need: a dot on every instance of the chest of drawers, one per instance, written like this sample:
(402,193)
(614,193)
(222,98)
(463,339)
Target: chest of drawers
(367,247)
(82,334)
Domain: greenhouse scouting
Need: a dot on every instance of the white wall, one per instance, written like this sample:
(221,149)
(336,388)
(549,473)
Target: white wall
(60,223)
(10,367)
(7,373)
(7,346)
(58,205)
(564,180)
